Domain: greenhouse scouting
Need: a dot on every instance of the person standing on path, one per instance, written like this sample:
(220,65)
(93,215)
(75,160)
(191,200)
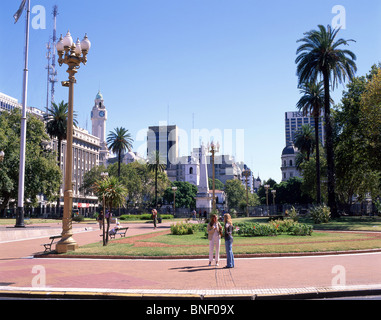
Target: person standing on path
(154,217)
(214,235)
(229,240)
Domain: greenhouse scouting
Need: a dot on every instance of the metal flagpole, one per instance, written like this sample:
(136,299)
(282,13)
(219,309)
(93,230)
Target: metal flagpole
(20,207)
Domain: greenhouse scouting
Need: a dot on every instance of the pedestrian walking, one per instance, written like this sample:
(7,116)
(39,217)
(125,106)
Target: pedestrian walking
(214,235)
(154,217)
(100,220)
(228,224)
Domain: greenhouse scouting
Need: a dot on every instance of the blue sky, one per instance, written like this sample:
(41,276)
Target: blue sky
(211,64)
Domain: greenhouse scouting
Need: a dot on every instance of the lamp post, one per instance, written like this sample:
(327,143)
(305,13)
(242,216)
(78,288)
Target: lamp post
(273,192)
(213,148)
(72,55)
(274,195)
(267,196)
(2,156)
(247,174)
(104,176)
(174,200)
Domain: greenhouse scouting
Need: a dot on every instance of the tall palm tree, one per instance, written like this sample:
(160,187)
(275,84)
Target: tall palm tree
(118,142)
(157,164)
(312,103)
(320,56)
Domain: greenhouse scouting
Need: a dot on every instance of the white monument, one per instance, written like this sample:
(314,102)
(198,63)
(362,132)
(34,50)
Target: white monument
(203,198)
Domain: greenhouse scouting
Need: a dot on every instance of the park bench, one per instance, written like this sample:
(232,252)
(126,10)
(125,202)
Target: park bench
(121,231)
(48,246)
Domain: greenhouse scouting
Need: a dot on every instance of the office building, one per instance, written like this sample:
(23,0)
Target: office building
(294,121)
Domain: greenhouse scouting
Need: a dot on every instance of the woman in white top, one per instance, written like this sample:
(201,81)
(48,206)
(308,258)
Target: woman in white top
(214,235)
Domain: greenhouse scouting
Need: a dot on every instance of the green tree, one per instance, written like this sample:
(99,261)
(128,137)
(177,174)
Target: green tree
(42,175)
(119,142)
(114,194)
(217,184)
(356,151)
(235,192)
(185,194)
(320,55)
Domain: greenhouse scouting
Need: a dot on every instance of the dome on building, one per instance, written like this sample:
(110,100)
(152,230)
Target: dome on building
(289,150)
(99,96)
(131,156)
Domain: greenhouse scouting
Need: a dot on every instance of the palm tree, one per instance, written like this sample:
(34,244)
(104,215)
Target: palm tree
(320,55)
(56,126)
(156,163)
(305,140)
(114,194)
(312,103)
(118,142)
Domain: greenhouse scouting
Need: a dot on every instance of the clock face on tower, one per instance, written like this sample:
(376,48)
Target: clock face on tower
(101,114)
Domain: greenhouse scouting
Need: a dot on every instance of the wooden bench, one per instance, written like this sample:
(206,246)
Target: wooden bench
(121,231)
(48,246)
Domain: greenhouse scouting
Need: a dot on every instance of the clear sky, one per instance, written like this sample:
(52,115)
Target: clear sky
(204,64)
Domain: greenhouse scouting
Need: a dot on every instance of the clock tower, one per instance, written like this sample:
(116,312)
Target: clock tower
(98,120)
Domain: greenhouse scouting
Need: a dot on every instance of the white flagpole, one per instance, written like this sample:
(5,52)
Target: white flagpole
(20,207)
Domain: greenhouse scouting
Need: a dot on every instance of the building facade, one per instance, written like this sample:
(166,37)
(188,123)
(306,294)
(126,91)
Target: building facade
(295,120)
(165,139)
(86,155)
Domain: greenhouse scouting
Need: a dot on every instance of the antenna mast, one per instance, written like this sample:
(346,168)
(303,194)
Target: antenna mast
(53,71)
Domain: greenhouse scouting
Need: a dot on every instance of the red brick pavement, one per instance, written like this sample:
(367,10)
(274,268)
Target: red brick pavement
(16,270)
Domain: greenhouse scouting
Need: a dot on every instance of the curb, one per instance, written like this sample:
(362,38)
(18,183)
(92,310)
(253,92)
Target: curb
(194,257)
(62,294)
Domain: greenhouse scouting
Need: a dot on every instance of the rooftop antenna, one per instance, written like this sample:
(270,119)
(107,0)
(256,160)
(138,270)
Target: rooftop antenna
(48,67)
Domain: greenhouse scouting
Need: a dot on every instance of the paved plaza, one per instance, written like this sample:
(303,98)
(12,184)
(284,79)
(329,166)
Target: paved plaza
(252,278)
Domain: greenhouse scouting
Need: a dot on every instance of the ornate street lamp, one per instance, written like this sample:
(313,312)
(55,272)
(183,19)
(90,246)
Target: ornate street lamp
(247,173)
(267,187)
(72,55)
(213,148)
(274,195)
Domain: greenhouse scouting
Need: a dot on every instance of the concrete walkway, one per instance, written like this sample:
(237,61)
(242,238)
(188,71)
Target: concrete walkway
(255,278)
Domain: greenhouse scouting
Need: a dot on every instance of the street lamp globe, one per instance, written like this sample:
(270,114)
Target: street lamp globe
(85,44)
(60,45)
(68,40)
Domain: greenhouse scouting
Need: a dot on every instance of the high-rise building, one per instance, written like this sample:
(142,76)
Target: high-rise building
(294,121)
(165,139)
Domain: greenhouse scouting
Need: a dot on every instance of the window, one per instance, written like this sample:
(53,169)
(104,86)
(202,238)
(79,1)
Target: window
(191,170)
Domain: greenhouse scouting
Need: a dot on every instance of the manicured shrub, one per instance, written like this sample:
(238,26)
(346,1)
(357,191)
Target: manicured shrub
(320,214)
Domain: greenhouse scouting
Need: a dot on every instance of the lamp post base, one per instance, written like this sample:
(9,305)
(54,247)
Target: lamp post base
(20,218)
(64,246)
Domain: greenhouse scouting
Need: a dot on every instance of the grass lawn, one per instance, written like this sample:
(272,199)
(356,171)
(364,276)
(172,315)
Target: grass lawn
(197,244)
